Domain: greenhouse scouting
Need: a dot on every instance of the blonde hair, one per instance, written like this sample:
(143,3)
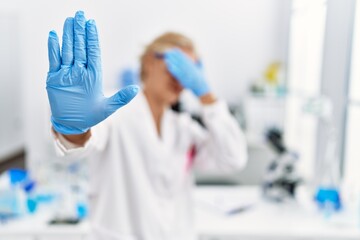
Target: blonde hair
(161,44)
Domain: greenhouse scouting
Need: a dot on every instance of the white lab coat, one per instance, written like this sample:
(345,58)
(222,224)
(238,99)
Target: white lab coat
(141,184)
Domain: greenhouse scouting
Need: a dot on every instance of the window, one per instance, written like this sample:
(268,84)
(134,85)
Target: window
(306,42)
(352,152)
(355,63)
(306,46)
(352,140)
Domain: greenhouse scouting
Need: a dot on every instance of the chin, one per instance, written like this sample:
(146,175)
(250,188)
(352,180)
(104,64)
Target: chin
(173,98)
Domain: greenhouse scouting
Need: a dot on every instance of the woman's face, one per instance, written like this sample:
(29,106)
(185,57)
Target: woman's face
(159,83)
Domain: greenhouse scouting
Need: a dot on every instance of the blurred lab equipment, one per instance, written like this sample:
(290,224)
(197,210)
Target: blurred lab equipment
(71,183)
(262,221)
(282,177)
(272,73)
(256,125)
(75,89)
(328,171)
(16,197)
(271,83)
(266,98)
(63,196)
(290,220)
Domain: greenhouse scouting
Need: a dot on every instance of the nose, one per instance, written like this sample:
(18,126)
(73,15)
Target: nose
(176,84)
(175,81)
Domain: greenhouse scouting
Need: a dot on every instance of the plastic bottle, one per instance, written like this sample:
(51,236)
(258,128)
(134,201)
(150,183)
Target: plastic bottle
(31,198)
(72,191)
(12,195)
(328,192)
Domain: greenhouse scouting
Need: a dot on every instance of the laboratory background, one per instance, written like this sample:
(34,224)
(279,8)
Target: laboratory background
(288,69)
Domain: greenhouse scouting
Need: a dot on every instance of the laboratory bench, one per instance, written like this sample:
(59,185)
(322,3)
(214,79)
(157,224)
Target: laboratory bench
(258,219)
(222,213)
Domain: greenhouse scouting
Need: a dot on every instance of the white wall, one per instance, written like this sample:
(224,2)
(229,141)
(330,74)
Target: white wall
(11,112)
(352,138)
(236,38)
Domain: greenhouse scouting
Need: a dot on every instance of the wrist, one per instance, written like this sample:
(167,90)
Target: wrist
(208,99)
(201,89)
(77,139)
(64,130)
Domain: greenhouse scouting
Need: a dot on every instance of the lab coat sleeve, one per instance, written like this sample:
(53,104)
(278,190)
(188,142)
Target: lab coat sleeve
(96,143)
(222,146)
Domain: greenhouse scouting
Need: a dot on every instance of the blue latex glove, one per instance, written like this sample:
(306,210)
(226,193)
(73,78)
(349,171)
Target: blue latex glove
(74,81)
(186,71)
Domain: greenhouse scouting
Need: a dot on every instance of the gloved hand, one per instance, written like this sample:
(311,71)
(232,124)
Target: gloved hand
(186,71)
(74,81)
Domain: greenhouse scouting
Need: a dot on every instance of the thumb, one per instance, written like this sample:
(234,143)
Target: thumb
(121,98)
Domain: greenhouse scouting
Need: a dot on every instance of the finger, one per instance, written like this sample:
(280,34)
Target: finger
(178,56)
(176,70)
(172,66)
(177,73)
(79,37)
(120,99)
(54,52)
(68,42)
(93,46)
(173,58)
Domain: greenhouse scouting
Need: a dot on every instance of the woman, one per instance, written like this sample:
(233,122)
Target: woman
(141,157)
